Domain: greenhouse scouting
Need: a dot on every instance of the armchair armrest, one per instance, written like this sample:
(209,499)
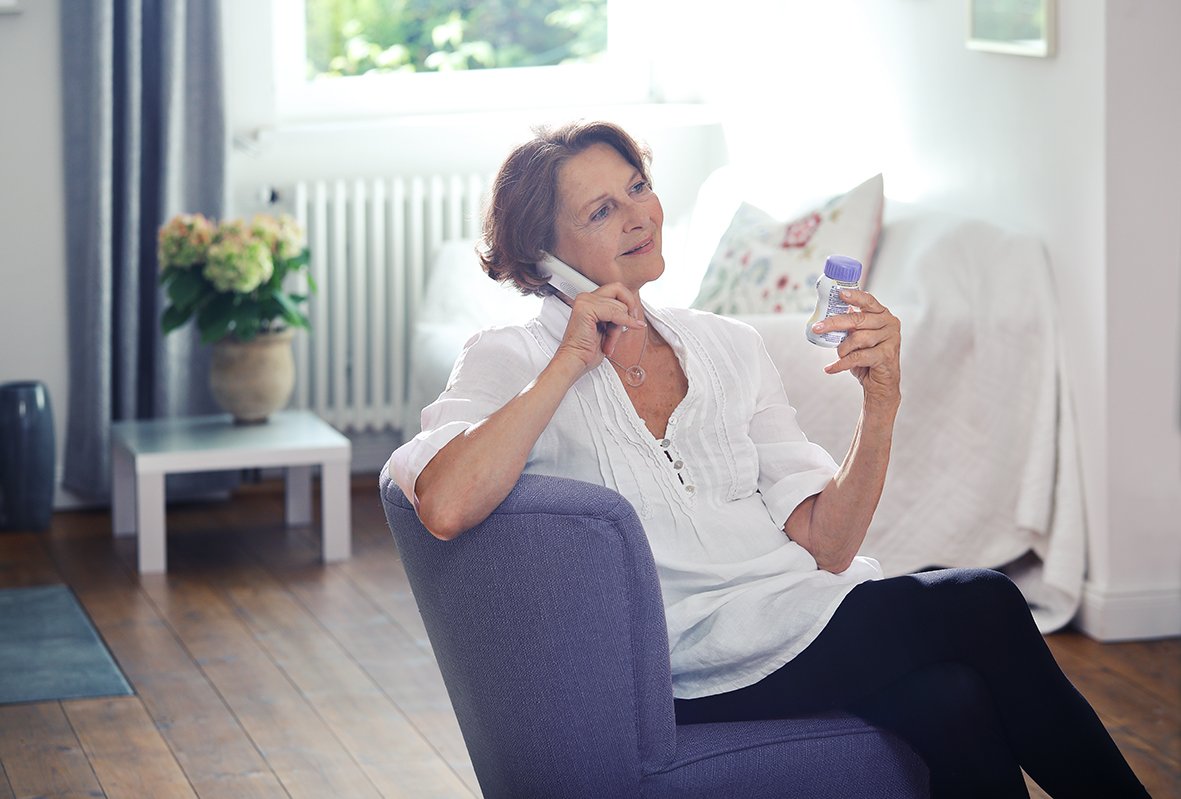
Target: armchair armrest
(579,714)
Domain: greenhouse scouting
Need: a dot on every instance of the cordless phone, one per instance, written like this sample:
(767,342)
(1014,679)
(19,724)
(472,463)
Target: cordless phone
(564,277)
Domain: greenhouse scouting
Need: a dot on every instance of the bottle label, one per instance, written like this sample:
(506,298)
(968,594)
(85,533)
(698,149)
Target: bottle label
(828,303)
(835,306)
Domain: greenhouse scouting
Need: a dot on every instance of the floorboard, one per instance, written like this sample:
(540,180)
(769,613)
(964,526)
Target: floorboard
(41,754)
(125,749)
(1137,706)
(215,752)
(377,730)
(302,750)
(5,786)
(389,657)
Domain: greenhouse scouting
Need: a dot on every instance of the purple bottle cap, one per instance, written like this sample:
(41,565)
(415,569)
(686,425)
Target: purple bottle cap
(842,268)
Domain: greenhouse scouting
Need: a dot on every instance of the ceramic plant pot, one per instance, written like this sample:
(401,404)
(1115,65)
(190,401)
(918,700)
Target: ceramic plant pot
(253,379)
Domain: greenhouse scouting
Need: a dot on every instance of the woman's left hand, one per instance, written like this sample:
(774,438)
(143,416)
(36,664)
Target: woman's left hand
(870,351)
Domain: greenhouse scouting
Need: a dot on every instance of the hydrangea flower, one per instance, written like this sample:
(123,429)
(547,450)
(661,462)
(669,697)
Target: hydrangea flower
(184,241)
(282,234)
(230,276)
(238,263)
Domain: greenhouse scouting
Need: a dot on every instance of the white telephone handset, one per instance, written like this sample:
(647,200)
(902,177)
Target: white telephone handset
(564,277)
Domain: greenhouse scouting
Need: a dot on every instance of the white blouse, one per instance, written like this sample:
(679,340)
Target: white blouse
(740,597)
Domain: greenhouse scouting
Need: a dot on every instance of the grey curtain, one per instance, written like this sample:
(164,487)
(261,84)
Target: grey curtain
(145,138)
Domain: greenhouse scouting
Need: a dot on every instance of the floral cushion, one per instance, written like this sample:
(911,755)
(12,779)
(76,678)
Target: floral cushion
(764,265)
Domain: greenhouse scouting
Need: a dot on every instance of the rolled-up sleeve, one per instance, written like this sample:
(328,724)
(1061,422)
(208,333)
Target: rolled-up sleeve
(791,468)
(492,369)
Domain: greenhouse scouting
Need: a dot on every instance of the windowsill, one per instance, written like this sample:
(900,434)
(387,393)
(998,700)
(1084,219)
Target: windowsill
(645,114)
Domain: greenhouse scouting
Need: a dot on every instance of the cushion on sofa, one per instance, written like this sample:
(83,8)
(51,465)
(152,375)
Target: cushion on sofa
(768,265)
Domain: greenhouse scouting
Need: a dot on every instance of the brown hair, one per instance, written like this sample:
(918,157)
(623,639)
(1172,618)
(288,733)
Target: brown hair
(519,220)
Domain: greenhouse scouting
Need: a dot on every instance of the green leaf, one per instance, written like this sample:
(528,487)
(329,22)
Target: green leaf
(245,326)
(290,309)
(248,308)
(286,266)
(174,317)
(186,288)
(215,317)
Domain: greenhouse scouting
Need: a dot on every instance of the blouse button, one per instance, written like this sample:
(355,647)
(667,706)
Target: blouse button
(689,490)
(665,443)
(672,419)
(678,464)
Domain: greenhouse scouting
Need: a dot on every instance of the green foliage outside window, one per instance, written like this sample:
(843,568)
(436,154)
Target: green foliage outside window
(355,37)
(1009,20)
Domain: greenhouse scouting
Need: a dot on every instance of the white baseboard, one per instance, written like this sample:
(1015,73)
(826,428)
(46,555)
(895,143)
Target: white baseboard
(1130,615)
(65,499)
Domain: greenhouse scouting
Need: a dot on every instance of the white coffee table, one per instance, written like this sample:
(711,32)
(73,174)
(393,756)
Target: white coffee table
(143,452)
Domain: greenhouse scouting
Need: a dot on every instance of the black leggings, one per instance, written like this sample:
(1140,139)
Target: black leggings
(951,662)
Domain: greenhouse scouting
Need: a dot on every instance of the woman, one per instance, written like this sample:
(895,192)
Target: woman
(754,530)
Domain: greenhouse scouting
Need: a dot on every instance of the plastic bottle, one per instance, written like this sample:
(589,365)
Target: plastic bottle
(840,272)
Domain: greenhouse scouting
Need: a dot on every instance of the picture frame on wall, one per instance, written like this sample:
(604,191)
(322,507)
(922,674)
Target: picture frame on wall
(1016,27)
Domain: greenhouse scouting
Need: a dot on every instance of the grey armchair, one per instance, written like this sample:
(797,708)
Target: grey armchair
(548,627)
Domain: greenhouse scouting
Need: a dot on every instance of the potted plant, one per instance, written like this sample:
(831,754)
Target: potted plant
(231,277)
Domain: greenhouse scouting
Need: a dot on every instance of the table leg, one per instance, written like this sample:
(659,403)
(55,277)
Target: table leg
(122,491)
(297,493)
(336,528)
(150,513)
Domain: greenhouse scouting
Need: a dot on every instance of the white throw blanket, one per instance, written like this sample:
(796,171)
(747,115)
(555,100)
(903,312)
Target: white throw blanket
(984,469)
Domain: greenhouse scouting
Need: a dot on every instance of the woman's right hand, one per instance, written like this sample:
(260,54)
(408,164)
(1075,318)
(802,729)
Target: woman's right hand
(597,319)
(475,471)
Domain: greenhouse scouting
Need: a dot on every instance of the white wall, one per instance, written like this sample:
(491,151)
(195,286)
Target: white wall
(1139,559)
(32,250)
(1080,149)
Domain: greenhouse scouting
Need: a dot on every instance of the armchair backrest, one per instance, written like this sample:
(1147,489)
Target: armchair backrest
(548,627)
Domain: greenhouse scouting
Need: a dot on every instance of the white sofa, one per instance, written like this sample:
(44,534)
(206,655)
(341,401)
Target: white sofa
(984,469)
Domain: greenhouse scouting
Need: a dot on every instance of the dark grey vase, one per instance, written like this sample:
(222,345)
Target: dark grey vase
(26,456)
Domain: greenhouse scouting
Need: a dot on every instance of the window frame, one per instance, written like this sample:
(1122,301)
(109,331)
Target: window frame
(623,77)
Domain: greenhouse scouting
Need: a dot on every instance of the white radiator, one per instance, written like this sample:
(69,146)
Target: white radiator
(371,241)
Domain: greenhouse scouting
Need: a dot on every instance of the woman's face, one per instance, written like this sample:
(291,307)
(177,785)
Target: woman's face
(609,220)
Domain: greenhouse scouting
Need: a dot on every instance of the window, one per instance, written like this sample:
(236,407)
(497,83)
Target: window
(357,37)
(337,59)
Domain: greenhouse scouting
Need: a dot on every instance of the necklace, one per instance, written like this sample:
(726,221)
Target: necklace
(634,376)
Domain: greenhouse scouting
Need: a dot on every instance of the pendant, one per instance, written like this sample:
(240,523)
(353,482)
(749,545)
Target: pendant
(635,376)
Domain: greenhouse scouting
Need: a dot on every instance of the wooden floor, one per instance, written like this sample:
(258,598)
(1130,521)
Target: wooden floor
(259,672)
